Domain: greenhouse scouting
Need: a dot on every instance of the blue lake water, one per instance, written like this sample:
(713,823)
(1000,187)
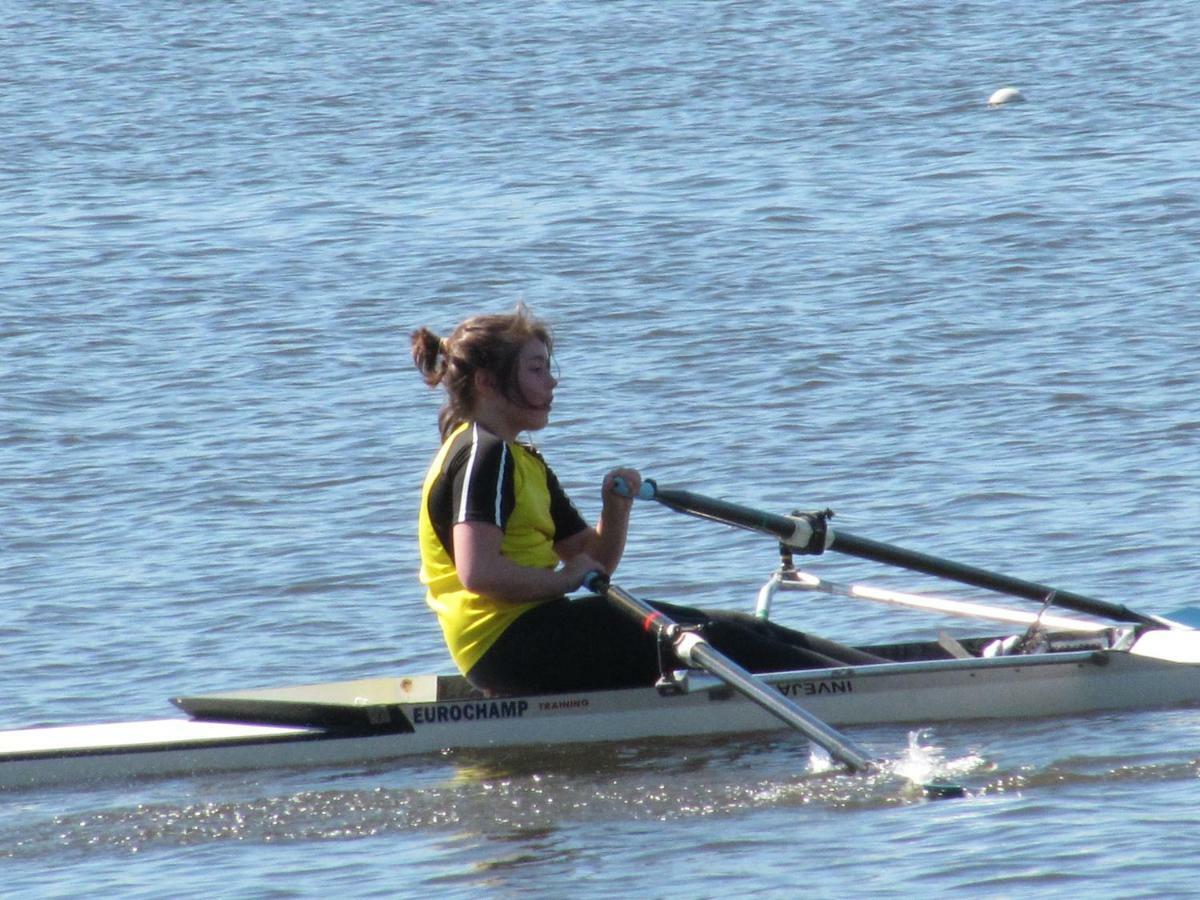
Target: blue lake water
(792,258)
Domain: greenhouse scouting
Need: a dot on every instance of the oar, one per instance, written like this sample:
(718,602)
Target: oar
(810,533)
(693,650)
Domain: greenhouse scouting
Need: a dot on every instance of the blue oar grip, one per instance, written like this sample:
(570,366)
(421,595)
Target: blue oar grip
(596,581)
(647,491)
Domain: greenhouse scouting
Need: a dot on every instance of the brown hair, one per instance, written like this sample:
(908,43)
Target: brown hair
(491,343)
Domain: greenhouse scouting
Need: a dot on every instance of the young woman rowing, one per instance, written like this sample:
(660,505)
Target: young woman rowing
(502,545)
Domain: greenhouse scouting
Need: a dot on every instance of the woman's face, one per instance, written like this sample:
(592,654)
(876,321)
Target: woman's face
(535,384)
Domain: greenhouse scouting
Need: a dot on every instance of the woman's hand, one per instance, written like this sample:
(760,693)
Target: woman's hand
(577,568)
(599,549)
(632,479)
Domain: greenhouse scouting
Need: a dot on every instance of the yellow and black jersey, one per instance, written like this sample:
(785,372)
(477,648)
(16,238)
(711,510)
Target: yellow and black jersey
(479,477)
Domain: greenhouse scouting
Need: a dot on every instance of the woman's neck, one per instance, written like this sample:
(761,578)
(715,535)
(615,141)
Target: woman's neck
(497,425)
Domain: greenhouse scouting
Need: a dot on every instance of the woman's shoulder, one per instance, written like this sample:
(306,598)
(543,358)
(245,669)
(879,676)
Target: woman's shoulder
(474,441)
(467,442)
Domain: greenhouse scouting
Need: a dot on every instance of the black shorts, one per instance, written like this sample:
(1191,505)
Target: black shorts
(588,644)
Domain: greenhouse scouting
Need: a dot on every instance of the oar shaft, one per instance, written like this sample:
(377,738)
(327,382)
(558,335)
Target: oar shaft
(837,744)
(793,531)
(692,648)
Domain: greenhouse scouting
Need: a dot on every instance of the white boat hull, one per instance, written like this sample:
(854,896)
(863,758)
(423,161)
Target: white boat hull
(377,720)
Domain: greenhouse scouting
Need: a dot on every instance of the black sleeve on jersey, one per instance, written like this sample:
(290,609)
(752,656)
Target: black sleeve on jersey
(490,474)
(567,520)
(483,485)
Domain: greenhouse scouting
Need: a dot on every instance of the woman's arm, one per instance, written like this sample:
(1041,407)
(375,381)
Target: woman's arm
(483,569)
(606,542)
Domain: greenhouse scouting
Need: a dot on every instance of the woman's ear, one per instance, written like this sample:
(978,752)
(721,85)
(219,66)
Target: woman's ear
(485,382)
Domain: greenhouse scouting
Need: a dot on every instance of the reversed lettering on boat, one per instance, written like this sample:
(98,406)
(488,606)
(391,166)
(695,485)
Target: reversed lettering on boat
(812,688)
(469,712)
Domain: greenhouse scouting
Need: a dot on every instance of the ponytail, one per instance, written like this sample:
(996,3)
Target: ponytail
(429,356)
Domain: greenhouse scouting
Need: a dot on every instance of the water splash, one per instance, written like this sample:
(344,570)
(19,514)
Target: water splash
(924,762)
(819,760)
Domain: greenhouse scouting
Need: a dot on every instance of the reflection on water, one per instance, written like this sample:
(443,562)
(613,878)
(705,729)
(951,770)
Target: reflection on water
(507,793)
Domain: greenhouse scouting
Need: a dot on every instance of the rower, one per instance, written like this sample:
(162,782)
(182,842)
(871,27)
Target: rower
(502,545)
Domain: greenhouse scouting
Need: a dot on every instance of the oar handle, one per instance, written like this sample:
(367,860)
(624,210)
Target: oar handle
(645,492)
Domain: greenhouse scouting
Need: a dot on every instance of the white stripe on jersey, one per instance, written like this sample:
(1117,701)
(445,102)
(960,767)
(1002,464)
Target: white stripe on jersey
(462,503)
(500,478)
(462,506)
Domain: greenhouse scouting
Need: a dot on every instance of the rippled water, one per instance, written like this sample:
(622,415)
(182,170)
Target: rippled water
(792,258)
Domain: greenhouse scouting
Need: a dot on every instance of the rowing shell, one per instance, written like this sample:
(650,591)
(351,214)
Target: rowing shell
(377,720)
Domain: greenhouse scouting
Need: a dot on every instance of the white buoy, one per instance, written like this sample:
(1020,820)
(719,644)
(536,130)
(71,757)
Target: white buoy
(1005,95)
